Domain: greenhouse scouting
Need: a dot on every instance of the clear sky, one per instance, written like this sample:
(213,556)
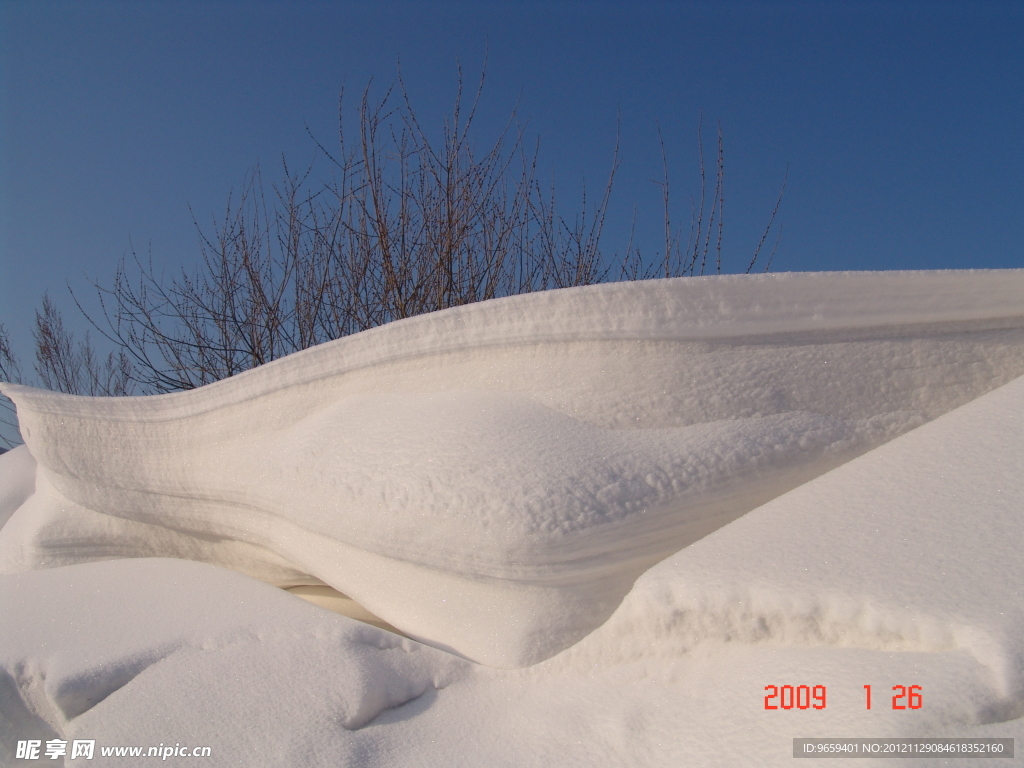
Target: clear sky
(901,123)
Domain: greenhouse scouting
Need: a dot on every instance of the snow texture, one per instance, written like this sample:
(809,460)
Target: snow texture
(626,509)
(492,479)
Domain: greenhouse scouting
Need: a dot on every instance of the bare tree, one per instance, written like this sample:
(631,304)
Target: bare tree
(65,366)
(705,223)
(9,368)
(407,224)
(9,371)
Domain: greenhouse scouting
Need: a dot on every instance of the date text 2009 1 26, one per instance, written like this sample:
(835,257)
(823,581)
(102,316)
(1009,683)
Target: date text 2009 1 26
(807,697)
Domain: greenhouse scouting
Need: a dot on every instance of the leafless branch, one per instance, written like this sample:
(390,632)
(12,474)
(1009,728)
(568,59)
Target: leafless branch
(771,220)
(409,222)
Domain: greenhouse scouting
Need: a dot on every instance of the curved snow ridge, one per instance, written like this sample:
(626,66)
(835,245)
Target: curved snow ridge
(528,494)
(500,500)
(683,309)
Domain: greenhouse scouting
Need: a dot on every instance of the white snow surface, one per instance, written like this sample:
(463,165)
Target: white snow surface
(492,479)
(501,481)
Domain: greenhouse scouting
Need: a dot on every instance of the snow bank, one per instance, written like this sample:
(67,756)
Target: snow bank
(219,644)
(915,546)
(492,479)
(902,567)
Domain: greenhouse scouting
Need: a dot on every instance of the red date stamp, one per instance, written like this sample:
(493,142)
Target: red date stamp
(807,697)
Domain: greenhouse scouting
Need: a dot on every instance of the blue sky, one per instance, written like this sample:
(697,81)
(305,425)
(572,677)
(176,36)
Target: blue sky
(901,123)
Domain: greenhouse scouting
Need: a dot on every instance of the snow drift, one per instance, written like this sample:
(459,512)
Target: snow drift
(903,566)
(492,479)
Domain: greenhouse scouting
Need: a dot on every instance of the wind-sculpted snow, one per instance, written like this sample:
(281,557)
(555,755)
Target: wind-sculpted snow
(492,479)
(914,547)
(133,625)
(903,566)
